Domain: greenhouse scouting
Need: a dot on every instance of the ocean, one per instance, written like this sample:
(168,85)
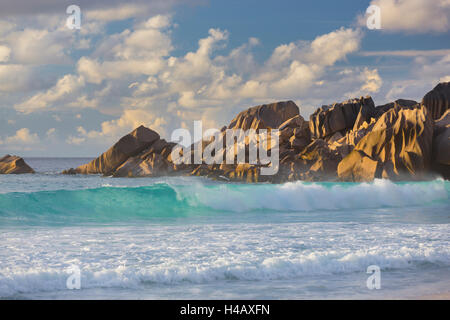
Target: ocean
(193,238)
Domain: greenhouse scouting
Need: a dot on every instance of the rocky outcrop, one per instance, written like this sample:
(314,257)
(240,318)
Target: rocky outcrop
(130,145)
(316,162)
(152,162)
(441,141)
(441,145)
(14,165)
(294,133)
(328,120)
(437,101)
(348,141)
(345,144)
(265,116)
(397,147)
(284,116)
(400,103)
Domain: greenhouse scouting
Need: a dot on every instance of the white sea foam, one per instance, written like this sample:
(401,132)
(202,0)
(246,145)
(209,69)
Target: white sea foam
(135,257)
(301,196)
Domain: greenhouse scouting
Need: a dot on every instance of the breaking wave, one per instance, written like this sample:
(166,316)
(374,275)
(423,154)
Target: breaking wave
(168,200)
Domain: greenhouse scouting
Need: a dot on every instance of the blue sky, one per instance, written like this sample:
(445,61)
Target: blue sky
(168,63)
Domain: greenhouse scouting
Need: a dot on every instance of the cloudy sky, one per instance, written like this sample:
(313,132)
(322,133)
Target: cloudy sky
(166,63)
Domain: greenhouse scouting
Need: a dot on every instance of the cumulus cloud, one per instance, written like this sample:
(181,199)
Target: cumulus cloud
(417,16)
(406,53)
(372,79)
(51,132)
(22,137)
(110,130)
(4,53)
(65,87)
(14,77)
(135,77)
(136,52)
(427,72)
(38,46)
(144,83)
(118,12)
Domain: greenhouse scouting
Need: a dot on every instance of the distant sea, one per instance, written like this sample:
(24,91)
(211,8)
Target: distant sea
(193,238)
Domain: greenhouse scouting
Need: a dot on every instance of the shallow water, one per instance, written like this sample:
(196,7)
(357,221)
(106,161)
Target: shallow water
(190,237)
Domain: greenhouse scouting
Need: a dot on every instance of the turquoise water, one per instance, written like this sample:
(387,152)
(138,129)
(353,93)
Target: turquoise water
(190,237)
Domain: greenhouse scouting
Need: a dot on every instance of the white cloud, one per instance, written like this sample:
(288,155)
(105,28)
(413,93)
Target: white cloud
(426,73)
(334,46)
(406,53)
(120,12)
(66,87)
(294,68)
(22,137)
(77,140)
(14,77)
(134,76)
(96,72)
(138,52)
(372,79)
(50,132)
(32,46)
(200,85)
(418,16)
(111,130)
(5,52)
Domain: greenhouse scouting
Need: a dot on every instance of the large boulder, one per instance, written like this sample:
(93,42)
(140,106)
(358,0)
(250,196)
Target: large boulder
(397,147)
(14,165)
(128,146)
(265,116)
(294,135)
(152,166)
(400,103)
(283,116)
(152,162)
(437,101)
(317,162)
(441,145)
(322,160)
(441,141)
(327,120)
(344,145)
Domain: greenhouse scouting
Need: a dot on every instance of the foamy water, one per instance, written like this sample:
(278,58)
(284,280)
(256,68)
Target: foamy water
(193,238)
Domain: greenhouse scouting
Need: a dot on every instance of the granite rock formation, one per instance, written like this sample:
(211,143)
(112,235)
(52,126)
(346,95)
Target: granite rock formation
(348,141)
(437,101)
(130,145)
(397,147)
(14,165)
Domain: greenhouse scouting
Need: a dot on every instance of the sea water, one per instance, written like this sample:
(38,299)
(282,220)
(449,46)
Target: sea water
(193,238)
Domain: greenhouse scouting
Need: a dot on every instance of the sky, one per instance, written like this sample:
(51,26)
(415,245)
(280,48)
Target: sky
(167,63)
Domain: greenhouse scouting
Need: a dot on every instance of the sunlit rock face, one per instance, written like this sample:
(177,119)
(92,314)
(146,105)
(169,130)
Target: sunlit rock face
(265,116)
(130,145)
(14,165)
(397,147)
(328,120)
